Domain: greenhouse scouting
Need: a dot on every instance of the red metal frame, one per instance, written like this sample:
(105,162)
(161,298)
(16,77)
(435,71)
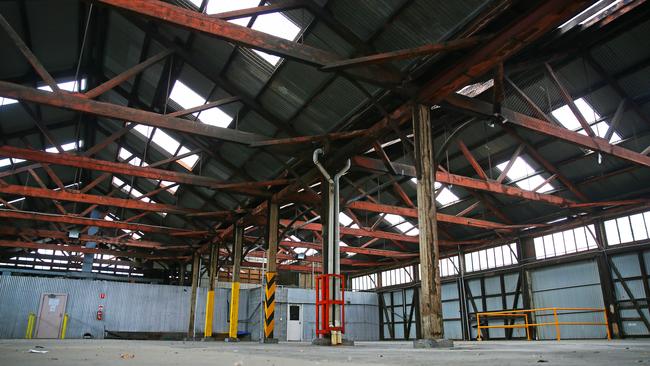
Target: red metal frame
(324,303)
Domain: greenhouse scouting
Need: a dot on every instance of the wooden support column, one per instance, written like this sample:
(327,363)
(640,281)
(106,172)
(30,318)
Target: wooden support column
(430,300)
(209,300)
(196,264)
(271,271)
(234,292)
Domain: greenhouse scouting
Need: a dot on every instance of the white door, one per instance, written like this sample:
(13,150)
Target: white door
(294,323)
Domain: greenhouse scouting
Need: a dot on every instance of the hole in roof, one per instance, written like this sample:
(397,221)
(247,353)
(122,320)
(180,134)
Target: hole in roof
(275,24)
(524,176)
(445,196)
(565,116)
(188,98)
(168,144)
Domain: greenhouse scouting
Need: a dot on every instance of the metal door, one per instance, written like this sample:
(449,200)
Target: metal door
(294,323)
(50,315)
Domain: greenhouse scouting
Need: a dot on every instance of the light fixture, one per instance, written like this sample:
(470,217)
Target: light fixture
(301,256)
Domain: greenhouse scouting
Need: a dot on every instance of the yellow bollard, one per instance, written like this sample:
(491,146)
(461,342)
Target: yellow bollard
(209,314)
(234,310)
(557,324)
(609,335)
(31,319)
(65,326)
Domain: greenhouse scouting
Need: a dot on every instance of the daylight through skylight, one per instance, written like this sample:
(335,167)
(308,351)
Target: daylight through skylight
(275,24)
(133,192)
(565,116)
(168,144)
(126,155)
(188,98)
(524,175)
(444,197)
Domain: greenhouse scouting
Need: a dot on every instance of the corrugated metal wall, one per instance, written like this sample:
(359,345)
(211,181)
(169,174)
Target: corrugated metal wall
(164,308)
(569,285)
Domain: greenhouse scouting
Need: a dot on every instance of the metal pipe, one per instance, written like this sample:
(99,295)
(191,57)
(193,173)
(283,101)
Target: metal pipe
(333,231)
(337,243)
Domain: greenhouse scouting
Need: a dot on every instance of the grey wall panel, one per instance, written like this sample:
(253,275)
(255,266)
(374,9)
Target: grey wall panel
(569,285)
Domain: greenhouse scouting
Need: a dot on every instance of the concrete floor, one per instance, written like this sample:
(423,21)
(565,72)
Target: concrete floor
(160,353)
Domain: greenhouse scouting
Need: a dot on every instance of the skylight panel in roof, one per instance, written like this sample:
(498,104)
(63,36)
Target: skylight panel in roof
(522,173)
(66,147)
(401,224)
(169,144)
(188,98)
(445,197)
(345,220)
(125,155)
(67,86)
(277,25)
(222,6)
(9,161)
(133,192)
(565,116)
(7,101)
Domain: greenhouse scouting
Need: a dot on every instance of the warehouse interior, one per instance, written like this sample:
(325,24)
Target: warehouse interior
(324,181)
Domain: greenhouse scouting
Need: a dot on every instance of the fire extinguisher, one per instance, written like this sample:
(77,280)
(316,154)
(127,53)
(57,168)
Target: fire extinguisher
(100,312)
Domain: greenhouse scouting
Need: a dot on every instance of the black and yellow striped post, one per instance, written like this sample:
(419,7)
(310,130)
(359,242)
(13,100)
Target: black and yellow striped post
(269,305)
(271,279)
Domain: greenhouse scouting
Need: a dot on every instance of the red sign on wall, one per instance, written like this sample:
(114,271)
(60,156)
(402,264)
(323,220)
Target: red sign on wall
(102,295)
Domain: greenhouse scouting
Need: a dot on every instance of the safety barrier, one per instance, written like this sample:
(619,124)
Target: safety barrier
(524,313)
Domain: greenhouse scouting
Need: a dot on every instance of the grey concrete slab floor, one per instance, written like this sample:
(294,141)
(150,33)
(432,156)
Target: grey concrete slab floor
(160,353)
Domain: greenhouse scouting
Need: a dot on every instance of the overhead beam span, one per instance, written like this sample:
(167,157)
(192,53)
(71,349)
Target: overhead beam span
(85,105)
(76,220)
(466,182)
(243,36)
(76,248)
(595,143)
(59,235)
(66,159)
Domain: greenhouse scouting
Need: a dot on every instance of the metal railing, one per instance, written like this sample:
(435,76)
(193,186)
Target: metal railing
(539,312)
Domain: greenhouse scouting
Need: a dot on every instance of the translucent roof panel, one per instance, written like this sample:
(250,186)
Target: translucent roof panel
(222,6)
(133,192)
(444,197)
(126,155)
(168,144)
(70,86)
(277,25)
(565,116)
(188,98)
(525,176)
(401,224)
(345,220)
(66,147)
